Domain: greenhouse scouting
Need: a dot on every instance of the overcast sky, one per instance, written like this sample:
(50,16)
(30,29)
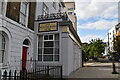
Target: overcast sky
(95,18)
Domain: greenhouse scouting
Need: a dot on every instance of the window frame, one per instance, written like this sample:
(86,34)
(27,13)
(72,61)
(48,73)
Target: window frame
(3,48)
(24,16)
(54,54)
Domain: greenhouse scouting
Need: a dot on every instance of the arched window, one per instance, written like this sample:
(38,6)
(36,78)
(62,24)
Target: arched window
(2,48)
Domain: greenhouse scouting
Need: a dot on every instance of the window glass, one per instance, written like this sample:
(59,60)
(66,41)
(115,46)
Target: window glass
(59,8)
(45,10)
(56,50)
(69,13)
(54,4)
(39,57)
(23,7)
(48,44)
(23,13)
(46,37)
(2,48)
(56,58)
(50,48)
(1,6)
(50,37)
(70,8)
(48,58)
(39,50)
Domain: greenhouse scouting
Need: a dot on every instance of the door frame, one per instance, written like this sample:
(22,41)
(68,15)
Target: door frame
(26,46)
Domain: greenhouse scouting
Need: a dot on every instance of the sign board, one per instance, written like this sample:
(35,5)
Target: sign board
(51,26)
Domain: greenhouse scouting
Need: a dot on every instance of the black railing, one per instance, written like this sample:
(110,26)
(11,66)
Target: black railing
(37,72)
(53,16)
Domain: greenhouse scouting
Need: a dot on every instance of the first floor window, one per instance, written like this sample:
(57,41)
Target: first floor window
(23,13)
(59,8)
(48,47)
(2,48)
(1,7)
(45,9)
(54,4)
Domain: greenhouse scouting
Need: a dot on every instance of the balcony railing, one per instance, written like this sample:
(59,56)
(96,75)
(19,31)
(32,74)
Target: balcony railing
(53,16)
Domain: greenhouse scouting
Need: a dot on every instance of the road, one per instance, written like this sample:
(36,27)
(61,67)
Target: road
(95,70)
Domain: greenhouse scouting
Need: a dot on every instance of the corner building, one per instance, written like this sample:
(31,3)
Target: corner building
(56,40)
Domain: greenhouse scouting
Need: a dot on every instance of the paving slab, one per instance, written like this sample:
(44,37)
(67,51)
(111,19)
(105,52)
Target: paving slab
(95,70)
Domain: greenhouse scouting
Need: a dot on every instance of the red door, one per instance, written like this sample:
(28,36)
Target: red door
(24,58)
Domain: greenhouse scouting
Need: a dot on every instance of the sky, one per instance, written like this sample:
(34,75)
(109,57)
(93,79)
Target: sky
(95,18)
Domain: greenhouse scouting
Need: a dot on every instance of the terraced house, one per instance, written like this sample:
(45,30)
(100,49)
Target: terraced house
(16,33)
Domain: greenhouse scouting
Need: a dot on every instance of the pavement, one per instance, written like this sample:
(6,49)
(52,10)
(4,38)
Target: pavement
(95,70)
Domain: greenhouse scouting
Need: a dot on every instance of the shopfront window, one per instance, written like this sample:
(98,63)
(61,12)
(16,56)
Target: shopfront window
(48,48)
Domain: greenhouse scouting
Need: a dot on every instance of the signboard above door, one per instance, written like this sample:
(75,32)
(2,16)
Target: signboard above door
(50,26)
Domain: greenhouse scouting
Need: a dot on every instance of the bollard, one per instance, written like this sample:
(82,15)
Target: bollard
(0,74)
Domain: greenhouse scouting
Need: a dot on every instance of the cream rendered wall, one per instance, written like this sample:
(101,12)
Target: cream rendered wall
(72,17)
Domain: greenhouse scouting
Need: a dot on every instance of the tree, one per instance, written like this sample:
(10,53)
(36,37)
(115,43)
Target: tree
(93,49)
(96,47)
(85,51)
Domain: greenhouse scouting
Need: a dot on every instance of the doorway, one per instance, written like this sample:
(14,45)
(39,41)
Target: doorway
(25,52)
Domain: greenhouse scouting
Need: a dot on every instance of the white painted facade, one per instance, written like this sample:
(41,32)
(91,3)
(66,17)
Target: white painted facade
(70,10)
(70,53)
(15,35)
(111,36)
(51,9)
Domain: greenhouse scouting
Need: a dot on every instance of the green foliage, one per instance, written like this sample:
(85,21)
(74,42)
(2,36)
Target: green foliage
(85,50)
(94,49)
